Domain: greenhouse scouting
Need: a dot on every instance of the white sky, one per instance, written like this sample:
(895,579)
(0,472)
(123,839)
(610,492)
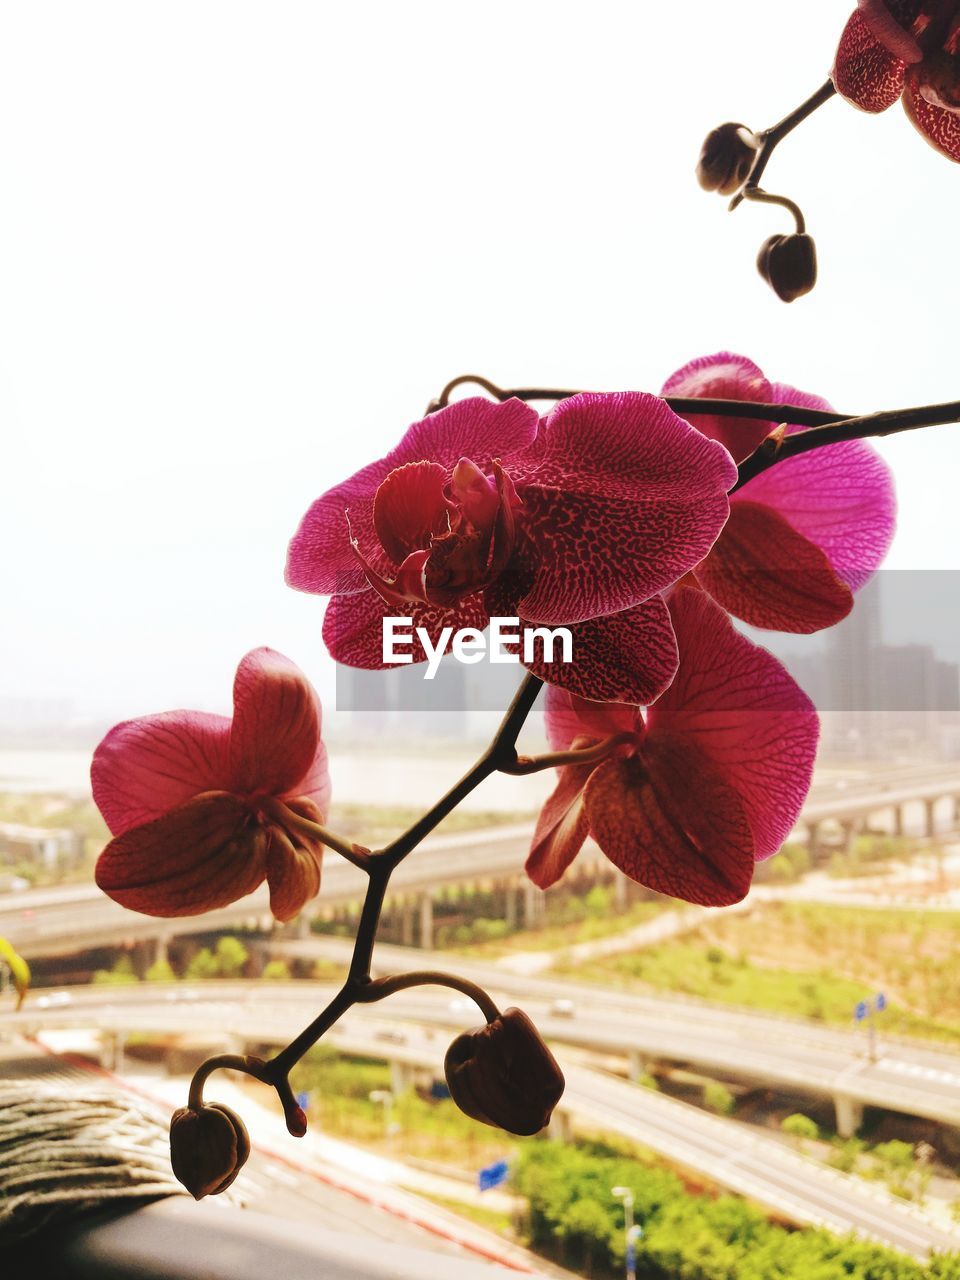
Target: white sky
(242,245)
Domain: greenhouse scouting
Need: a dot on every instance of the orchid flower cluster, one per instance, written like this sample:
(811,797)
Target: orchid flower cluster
(648,525)
(889,51)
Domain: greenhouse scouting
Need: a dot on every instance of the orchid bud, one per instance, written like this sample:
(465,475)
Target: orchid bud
(504,1075)
(208,1148)
(726,158)
(789,265)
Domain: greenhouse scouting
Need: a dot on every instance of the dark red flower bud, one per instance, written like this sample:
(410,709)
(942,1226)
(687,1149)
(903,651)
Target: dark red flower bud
(789,265)
(503,1074)
(726,158)
(208,1148)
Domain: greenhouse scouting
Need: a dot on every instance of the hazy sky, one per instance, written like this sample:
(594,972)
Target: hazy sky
(241,246)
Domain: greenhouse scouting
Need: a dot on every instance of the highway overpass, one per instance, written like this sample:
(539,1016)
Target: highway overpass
(733,1156)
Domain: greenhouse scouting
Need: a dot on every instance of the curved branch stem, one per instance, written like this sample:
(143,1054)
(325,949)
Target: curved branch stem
(777,448)
(553,759)
(751,192)
(355,853)
(250,1066)
(380,988)
(771,138)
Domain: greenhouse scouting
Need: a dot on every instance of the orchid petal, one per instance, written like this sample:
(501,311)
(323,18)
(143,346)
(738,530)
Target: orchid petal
(621,497)
(840,497)
(320,558)
(568,717)
(771,576)
(410,508)
(202,855)
(275,736)
(623,657)
(865,71)
(293,869)
(561,827)
(145,767)
(724,376)
(670,823)
(890,20)
(741,710)
(353,626)
(940,127)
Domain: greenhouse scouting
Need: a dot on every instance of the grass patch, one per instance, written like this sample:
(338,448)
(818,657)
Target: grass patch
(812,961)
(502,1224)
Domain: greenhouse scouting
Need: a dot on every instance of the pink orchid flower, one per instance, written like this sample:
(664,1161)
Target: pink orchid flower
(907,49)
(802,536)
(580,520)
(709,780)
(203,808)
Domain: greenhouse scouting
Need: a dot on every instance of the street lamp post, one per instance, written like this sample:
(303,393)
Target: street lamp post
(632,1231)
(385,1097)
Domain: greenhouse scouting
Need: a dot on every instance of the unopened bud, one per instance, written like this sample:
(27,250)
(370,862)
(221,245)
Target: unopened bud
(789,265)
(504,1075)
(208,1148)
(726,158)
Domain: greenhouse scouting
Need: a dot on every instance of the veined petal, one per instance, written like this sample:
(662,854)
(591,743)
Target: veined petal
(940,127)
(320,558)
(769,575)
(561,827)
(866,72)
(623,657)
(410,508)
(568,717)
(670,823)
(742,711)
(353,626)
(203,854)
(276,725)
(890,22)
(725,376)
(144,767)
(293,867)
(841,498)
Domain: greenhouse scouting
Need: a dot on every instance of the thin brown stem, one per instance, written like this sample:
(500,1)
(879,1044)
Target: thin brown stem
(358,854)
(585,755)
(777,448)
(380,988)
(250,1066)
(771,138)
(750,192)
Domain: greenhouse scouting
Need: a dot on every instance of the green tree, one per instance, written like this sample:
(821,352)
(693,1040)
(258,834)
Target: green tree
(160,971)
(718,1098)
(231,957)
(276,971)
(203,965)
(801,1128)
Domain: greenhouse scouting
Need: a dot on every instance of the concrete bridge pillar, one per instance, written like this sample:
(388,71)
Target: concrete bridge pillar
(511,905)
(426,921)
(112,1050)
(898,820)
(849,1115)
(850,828)
(406,923)
(621,890)
(160,949)
(532,905)
(930,817)
(560,1128)
(640,1065)
(402,1078)
(813,840)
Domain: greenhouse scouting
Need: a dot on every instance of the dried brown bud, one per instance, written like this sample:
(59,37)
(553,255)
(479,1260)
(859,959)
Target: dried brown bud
(789,265)
(208,1148)
(503,1074)
(726,158)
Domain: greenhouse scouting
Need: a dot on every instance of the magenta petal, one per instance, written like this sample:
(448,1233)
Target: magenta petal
(743,712)
(623,657)
(276,725)
(767,574)
(841,498)
(561,827)
(725,376)
(568,717)
(145,767)
(353,626)
(621,498)
(865,72)
(940,127)
(320,558)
